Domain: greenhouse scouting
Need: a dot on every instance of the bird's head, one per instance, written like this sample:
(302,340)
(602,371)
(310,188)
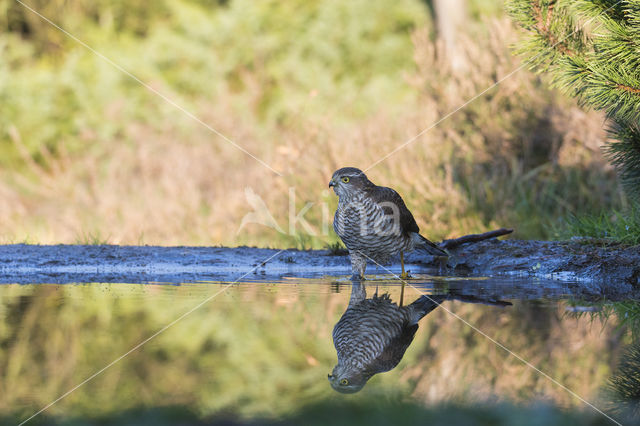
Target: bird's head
(347,381)
(348,180)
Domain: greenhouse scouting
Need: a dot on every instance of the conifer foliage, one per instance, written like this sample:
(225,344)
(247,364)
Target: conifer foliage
(591,49)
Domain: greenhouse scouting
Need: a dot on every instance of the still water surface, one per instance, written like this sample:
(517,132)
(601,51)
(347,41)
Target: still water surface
(265,349)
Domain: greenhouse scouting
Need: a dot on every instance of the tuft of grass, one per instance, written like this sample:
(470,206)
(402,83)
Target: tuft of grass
(336,248)
(617,226)
(92,239)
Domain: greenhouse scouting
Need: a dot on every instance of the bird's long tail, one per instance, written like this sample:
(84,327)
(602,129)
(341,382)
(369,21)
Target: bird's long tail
(425,304)
(428,246)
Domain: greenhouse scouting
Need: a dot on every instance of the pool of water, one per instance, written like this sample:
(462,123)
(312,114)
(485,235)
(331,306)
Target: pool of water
(262,350)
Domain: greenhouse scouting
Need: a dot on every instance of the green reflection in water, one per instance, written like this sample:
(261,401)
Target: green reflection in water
(263,350)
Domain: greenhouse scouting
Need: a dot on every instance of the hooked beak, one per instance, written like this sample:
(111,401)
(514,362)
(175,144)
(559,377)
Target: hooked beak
(332,183)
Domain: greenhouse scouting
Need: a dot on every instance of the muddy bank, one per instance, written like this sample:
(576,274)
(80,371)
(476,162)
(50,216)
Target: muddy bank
(612,271)
(142,264)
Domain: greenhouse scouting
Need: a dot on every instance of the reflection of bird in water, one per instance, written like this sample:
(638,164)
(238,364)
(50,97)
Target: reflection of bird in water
(373,222)
(372,336)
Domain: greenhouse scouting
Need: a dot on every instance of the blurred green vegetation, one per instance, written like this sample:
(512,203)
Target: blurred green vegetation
(263,351)
(193,50)
(307,87)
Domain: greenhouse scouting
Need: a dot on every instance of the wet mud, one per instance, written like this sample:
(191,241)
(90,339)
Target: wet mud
(590,268)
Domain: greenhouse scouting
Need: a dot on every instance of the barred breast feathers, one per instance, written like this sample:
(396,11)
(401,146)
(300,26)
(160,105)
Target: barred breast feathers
(365,225)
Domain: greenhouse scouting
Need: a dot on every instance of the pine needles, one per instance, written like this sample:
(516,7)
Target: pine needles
(591,50)
(624,386)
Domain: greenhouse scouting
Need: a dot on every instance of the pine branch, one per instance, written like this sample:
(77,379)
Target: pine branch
(606,12)
(628,88)
(624,154)
(553,33)
(600,84)
(543,26)
(600,66)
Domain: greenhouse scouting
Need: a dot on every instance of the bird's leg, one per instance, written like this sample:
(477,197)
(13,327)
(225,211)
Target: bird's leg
(404,275)
(358,293)
(358,265)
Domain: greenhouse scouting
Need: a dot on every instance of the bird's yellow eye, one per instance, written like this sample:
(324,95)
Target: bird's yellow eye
(345,179)
(344,382)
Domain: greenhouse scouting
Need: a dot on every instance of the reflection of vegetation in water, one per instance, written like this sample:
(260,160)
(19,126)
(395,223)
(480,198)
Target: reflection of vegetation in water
(385,412)
(370,411)
(458,364)
(237,354)
(264,350)
(623,388)
(626,314)
(624,385)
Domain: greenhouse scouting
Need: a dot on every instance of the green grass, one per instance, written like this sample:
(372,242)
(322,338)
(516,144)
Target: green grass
(92,239)
(194,51)
(616,226)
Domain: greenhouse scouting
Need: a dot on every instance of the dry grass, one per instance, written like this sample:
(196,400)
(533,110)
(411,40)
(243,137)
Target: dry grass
(519,156)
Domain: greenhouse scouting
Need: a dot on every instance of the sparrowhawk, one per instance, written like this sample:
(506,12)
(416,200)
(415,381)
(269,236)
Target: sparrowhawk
(372,336)
(373,222)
